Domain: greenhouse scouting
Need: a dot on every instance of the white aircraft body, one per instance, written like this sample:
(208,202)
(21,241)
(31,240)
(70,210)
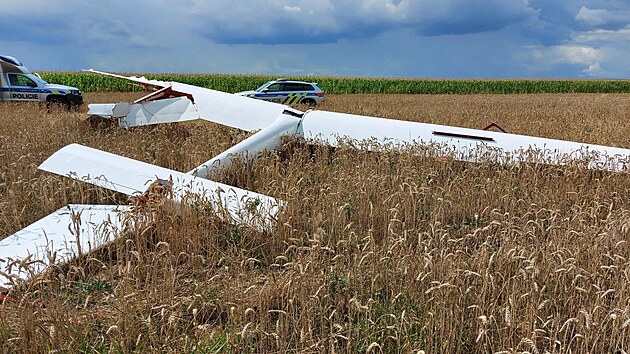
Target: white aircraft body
(172,102)
(176,102)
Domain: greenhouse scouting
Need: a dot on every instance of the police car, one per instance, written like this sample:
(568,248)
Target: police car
(18,84)
(288,92)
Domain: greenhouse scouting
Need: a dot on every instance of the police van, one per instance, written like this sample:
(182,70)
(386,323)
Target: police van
(18,84)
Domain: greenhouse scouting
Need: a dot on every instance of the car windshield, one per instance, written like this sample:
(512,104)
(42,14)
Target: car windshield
(263,86)
(36,78)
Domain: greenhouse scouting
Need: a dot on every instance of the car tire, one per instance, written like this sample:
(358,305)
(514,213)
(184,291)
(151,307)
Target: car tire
(309,102)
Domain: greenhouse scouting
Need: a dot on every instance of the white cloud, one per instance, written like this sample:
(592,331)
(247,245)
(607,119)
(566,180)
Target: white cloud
(578,54)
(590,59)
(567,54)
(292,9)
(594,70)
(595,17)
(602,35)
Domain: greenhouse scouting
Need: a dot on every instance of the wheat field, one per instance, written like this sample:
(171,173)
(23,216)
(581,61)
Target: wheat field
(374,253)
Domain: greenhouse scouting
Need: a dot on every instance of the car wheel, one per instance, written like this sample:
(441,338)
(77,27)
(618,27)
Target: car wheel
(309,102)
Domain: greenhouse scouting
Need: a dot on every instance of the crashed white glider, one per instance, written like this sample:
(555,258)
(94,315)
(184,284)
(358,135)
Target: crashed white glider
(172,102)
(177,102)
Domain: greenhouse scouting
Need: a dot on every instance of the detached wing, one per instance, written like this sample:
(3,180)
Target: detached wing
(68,232)
(466,144)
(215,106)
(134,177)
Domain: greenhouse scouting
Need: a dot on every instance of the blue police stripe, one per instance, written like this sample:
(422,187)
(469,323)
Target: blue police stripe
(25,90)
(29,90)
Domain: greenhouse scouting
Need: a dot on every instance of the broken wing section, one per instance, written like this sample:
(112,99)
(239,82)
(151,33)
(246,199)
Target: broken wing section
(464,144)
(169,110)
(134,177)
(57,238)
(219,107)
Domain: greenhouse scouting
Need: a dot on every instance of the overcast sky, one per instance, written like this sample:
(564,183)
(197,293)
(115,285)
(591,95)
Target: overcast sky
(390,38)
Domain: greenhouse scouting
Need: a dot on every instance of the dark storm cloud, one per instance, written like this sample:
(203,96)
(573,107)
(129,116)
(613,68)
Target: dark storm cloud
(329,21)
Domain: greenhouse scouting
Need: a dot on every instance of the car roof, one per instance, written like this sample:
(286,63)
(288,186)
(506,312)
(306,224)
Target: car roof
(292,81)
(10,60)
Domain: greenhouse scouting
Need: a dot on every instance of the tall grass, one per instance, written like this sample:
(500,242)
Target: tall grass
(340,85)
(375,252)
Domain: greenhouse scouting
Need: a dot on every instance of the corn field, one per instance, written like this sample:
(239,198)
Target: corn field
(390,252)
(336,85)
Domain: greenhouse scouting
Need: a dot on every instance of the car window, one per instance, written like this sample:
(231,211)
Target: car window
(275,87)
(306,87)
(290,86)
(13,81)
(262,87)
(21,80)
(37,79)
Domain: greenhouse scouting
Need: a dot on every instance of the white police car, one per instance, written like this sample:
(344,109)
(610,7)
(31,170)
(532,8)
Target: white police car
(18,84)
(288,92)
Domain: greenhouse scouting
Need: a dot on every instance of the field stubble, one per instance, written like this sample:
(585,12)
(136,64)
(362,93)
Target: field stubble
(391,252)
